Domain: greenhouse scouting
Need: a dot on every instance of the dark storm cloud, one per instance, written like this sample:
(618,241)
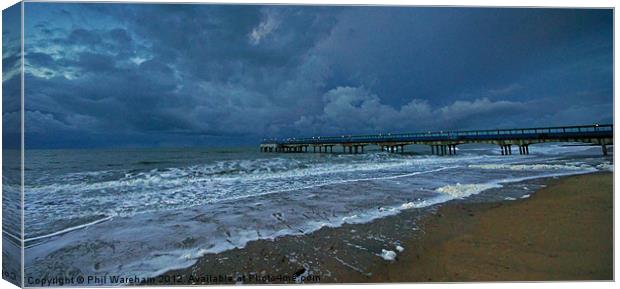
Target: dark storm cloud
(135,75)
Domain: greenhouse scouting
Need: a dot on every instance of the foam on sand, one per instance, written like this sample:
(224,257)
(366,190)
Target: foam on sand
(388,255)
(465,190)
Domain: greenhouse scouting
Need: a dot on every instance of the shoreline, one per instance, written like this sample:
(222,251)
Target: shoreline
(456,241)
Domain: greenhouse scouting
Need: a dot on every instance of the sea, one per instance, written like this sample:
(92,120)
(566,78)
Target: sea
(142,212)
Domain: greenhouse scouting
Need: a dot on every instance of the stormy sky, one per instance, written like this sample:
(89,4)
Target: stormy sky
(135,75)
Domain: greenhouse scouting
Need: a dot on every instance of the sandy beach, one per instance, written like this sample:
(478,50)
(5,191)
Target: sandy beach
(562,232)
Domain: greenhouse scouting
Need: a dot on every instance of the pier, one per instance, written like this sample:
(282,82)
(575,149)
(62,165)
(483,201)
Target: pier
(445,142)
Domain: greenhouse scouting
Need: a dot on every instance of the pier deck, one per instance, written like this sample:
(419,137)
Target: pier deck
(445,142)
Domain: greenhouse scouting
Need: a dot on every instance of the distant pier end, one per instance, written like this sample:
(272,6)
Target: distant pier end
(445,142)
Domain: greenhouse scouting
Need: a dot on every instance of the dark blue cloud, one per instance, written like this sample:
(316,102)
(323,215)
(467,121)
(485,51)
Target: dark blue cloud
(11,80)
(151,75)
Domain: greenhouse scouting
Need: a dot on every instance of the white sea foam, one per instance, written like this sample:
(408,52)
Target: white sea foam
(606,167)
(66,230)
(465,190)
(388,255)
(527,167)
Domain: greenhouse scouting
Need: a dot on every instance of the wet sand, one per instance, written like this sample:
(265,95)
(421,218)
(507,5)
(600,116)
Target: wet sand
(562,232)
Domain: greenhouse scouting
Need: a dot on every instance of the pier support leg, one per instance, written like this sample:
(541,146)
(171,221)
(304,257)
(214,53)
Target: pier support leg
(604,147)
(362,148)
(432,150)
(350,149)
(443,150)
(509,149)
(503,148)
(527,149)
(331,149)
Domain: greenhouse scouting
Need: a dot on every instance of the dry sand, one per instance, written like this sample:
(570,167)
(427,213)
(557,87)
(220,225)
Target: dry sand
(562,232)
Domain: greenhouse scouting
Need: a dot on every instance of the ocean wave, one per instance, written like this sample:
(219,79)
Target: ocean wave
(282,196)
(223,180)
